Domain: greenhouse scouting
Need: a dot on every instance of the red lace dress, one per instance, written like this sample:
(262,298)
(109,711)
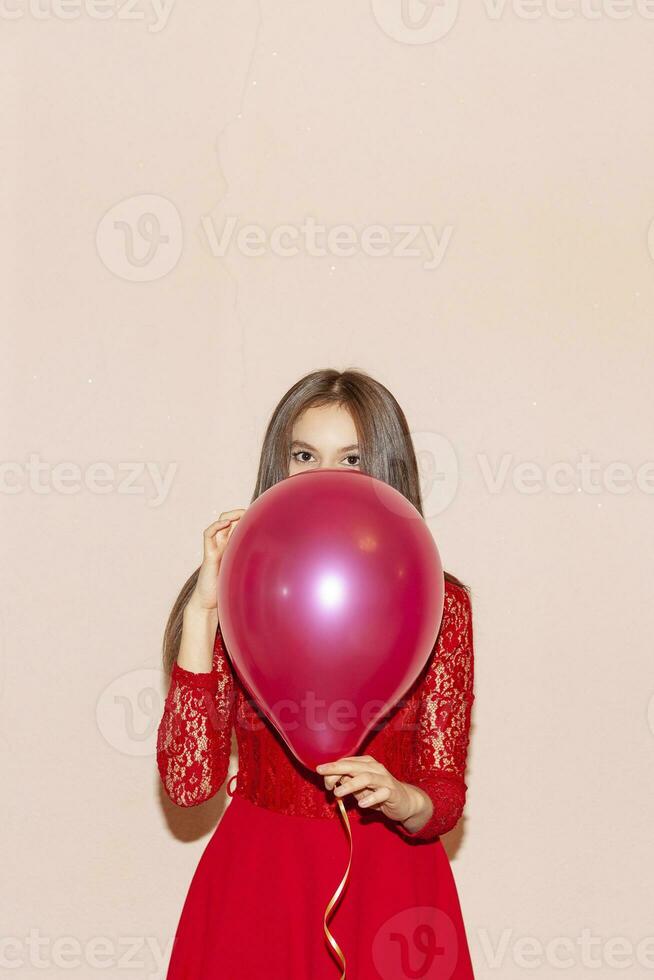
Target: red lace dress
(255,905)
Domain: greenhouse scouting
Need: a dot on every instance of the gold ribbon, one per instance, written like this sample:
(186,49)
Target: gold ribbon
(333,900)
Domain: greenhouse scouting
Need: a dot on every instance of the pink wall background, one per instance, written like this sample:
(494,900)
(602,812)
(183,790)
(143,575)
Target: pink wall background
(145,349)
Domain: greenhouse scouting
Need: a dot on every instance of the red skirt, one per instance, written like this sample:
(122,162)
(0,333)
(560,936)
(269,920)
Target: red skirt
(255,905)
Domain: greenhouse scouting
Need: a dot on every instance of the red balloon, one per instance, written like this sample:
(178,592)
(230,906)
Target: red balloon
(330,595)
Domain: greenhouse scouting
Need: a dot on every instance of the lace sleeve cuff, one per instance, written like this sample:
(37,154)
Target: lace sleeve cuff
(447,795)
(205,681)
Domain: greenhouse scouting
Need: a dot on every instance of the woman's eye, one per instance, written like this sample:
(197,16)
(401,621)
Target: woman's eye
(300,456)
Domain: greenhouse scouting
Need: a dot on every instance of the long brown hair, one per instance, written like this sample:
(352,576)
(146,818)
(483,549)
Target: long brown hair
(386,452)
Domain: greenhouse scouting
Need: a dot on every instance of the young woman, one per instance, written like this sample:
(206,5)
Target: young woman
(255,905)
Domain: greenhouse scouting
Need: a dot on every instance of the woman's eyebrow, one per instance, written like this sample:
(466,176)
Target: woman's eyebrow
(307,445)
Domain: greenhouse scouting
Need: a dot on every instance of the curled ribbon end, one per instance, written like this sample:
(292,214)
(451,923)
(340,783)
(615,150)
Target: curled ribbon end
(334,899)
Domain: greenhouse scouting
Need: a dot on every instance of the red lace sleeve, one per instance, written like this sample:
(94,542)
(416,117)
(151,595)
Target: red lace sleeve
(195,732)
(442,734)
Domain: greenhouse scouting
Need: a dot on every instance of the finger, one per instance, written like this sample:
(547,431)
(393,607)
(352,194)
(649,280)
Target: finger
(365,780)
(225,518)
(224,524)
(340,766)
(349,758)
(380,795)
(209,538)
(335,772)
(349,766)
(331,781)
(211,530)
(212,536)
(232,527)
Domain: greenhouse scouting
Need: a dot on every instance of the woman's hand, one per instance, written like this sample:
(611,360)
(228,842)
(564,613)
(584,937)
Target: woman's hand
(200,618)
(372,785)
(216,536)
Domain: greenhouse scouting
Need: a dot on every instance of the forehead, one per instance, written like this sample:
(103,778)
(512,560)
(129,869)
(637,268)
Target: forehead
(326,425)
